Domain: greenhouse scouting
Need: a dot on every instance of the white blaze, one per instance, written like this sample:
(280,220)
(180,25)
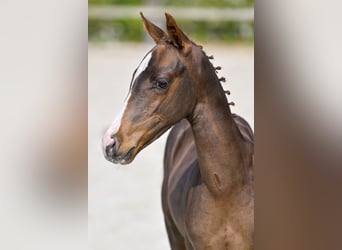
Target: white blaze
(143,65)
(117,120)
(113,129)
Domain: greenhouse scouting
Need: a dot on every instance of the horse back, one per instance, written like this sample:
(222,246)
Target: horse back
(244,128)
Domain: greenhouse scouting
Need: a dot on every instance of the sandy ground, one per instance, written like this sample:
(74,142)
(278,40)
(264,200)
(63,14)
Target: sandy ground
(124,201)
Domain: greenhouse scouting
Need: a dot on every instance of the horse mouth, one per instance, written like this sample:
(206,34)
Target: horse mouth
(124,158)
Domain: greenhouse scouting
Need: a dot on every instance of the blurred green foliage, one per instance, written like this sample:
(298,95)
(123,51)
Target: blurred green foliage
(227,31)
(118,29)
(213,3)
(118,2)
(132,29)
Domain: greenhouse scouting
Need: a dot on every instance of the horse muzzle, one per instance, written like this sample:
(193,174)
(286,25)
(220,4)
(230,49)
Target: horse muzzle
(115,154)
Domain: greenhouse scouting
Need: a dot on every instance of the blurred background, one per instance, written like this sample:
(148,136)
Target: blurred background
(43,135)
(124,202)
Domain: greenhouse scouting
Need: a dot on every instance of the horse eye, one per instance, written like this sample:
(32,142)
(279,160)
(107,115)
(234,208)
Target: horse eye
(161,84)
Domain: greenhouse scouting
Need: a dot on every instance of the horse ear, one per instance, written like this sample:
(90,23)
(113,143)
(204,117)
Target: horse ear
(154,31)
(179,39)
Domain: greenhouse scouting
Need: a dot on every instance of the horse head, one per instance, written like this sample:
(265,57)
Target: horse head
(162,92)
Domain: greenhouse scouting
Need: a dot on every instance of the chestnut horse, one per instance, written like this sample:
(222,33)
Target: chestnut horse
(208,190)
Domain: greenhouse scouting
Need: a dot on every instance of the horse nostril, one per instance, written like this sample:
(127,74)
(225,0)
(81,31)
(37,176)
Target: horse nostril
(111,147)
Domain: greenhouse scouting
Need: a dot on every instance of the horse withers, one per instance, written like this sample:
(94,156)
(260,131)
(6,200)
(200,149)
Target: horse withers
(208,185)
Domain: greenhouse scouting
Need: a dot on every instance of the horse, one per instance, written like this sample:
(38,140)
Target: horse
(208,184)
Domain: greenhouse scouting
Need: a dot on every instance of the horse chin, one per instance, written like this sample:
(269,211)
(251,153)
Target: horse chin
(124,158)
(126,161)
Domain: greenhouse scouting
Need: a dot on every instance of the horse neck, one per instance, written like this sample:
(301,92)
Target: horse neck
(220,147)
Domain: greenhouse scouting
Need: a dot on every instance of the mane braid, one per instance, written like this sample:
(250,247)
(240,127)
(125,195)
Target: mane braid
(221,79)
